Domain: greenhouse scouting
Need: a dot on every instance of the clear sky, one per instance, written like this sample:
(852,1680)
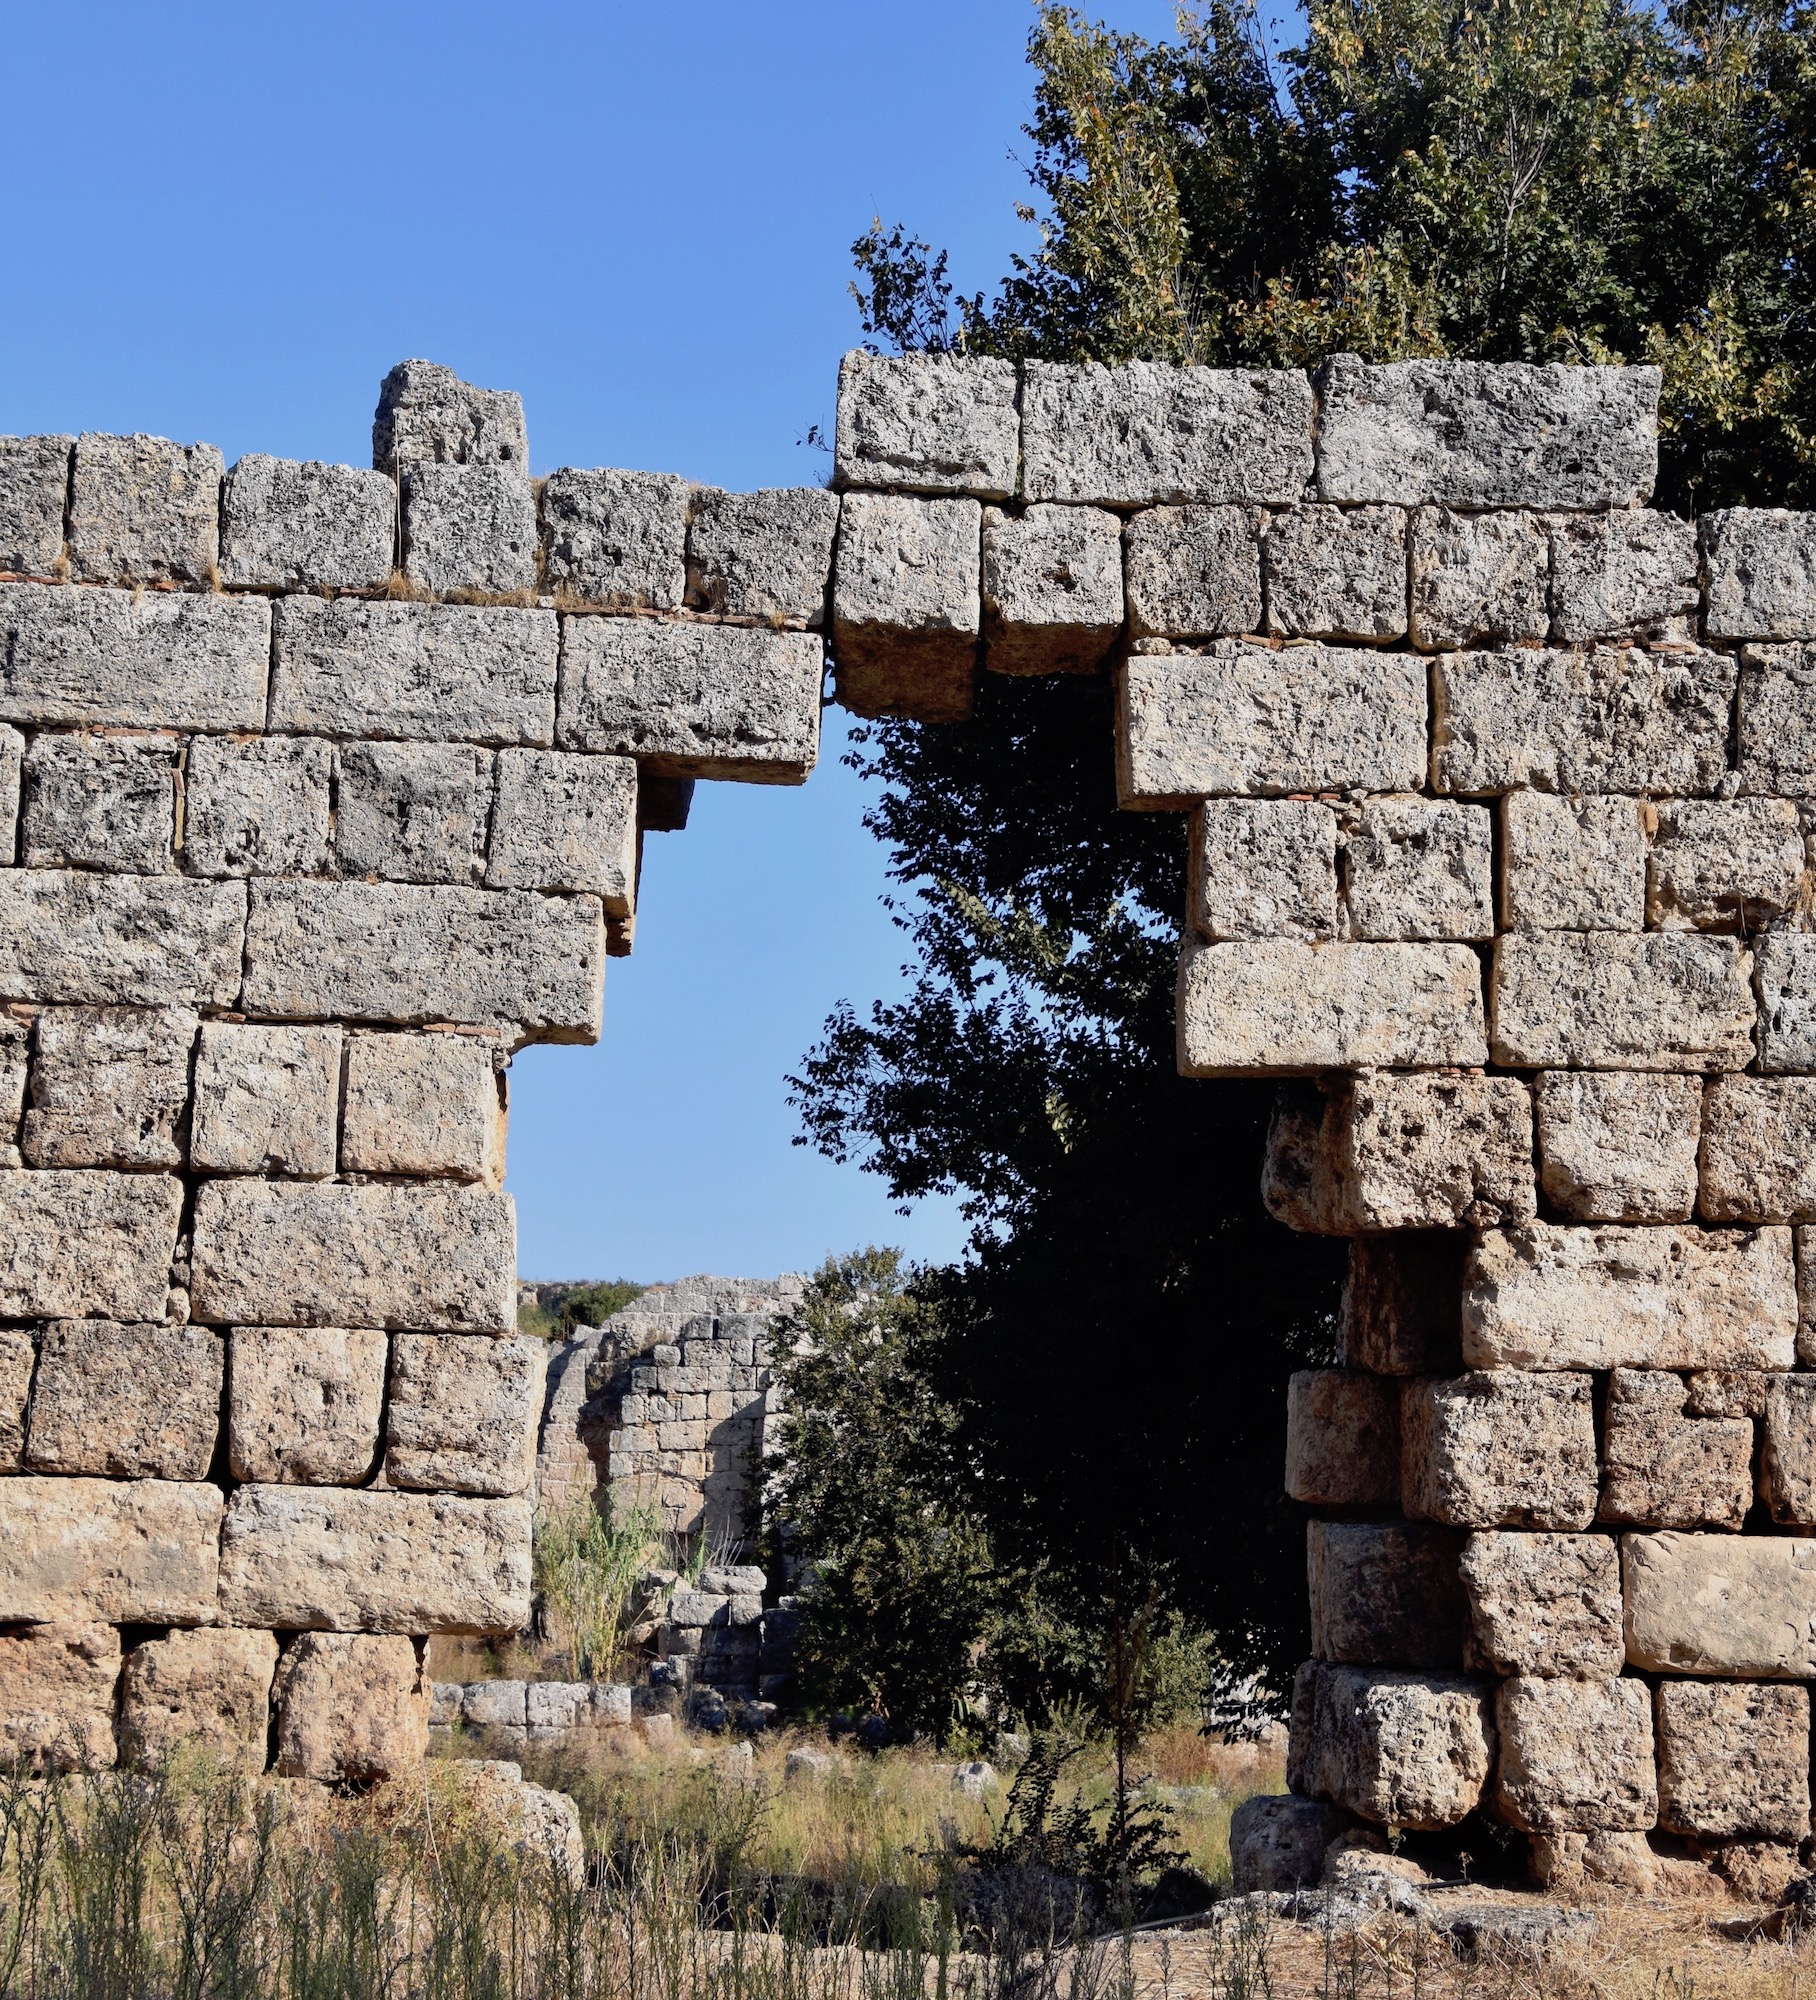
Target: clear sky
(227,221)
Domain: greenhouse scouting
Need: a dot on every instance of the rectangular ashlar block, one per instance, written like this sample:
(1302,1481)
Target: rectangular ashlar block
(1336,573)
(412,812)
(1759,1149)
(1543,1604)
(102,801)
(1052,589)
(34,484)
(928,423)
(1787,1458)
(265,1100)
(68,935)
(1628,573)
(907,606)
(1656,1000)
(208,1686)
(127,1551)
(125,1402)
(1402,1310)
(424,1104)
(1499,1448)
(1619,1145)
(1401,1749)
(1761,568)
(1385,1593)
(1478,577)
(1572,864)
(57,1687)
(257,806)
(144,510)
(290,524)
(110,1087)
(1419,868)
(1776,730)
(1720,865)
(304,1404)
(1787,1002)
(1726,1607)
(1575,1755)
(1193,572)
(352,1708)
(1734,1762)
(469,529)
(86,1246)
(617,539)
(463,1413)
(763,556)
(1264,868)
(1662,1468)
(566,822)
(428,416)
(1342,1439)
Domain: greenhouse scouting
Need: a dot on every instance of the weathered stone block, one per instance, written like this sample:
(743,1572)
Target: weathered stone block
(1759,1149)
(1052,589)
(292,524)
(1543,1604)
(130,1551)
(18,1358)
(209,1687)
(524,965)
(57,1686)
(304,1404)
(1612,719)
(352,666)
(907,605)
(1264,868)
(164,660)
(927,423)
(495,1704)
(1193,572)
(1336,573)
(469,529)
(1721,866)
(412,812)
(1787,1002)
(257,806)
(144,510)
(337,1558)
(1619,1146)
(265,1100)
(1402,1311)
(1776,730)
(1419,868)
(1148,433)
(1401,1749)
(1761,568)
(110,1086)
(765,556)
(125,1402)
(1624,574)
(100,802)
(428,415)
(1732,1607)
(1734,1762)
(424,1104)
(317,1253)
(1787,1457)
(1729,1392)
(1342,1439)
(352,1708)
(34,484)
(616,538)
(1499,1449)
(1475,434)
(1476,577)
(86,1245)
(693,701)
(1278,1844)
(1310,719)
(1385,1594)
(463,1413)
(1272,1009)
(1664,1469)
(1572,864)
(561,821)
(1596,1298)
(1659,1000)
(1576,1755)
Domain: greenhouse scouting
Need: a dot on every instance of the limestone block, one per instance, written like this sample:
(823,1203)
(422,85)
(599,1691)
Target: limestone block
(1147,433)
(1264,868)
(693,701)
(1659,1000)
(1806,1295)
(1567,1863)
(130,1551)
(352,1708)
(927,423)
(1787,1457)
(1476,577)
(1619,1146)
(1664,1469)
(1402,1309)
(562,821)
(352,666)
(126,1402)
(1277,1845)
(765,556)
(463,1413)
(34,485)
(495,1704)
(1576,1755)
(1725,866)
(412,812)
(1734,1762)
(1052,589)
(1729,1392)
(1475,434)
(1759,1149)
(209,1686)
(1499,1449)
(423,1104)
(1270,1009)
(144,510)
(524,965)
(1730,1607)
(110,1086)
(469,529)
(1761,569)
(257,806)
(907,606)
(265,1100)
(1611,719)
(15,1037)
(57,1686)
(1419,868)
(1342,1439)
(1787,1002)
(1336,573)
(1384,1593)
(292,524)
(1625,574)
(428,415)
(1776,731)
(318,1253)
(1309,719)
(1193,572)
(1543,1604)
(616,538)
(304,1404)
(1558,1297)
(100,802)
(18,1357)
(74,1245)
(338,1558)
(1402,1749)
(1572,864)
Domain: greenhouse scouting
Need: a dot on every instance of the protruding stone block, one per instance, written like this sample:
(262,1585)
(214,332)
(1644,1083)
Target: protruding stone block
(1625,574)
(764,556)
(86,1245)
(125,1402)
(463,1413)
(928,423)
(100,802)
(907,605)
(424,1104)
(289,524)
(57,1685)
(1277,1845)
(1730,1607)
(1658,1000)
(144,510)
(1664,1469)
(617,539)
(1787,1457)
(110,1086)
(1478,577)
(1761,566)
(469,530)
(1734,1762)
(1619,1146)
(1576,1755)
(1776,732)
(428,416)
(1402,1311)
(34,484)
(304,1404)
(561,821)
(1052,589)
(130,1551)
(1264,868)
(351,1708)
(257,806)
(209,1687)
(1499,1449)
(265,1100)
(1572,864)
(413,812)
(1725,866)
(1193,572)
(1384,1593)
(1336,573)
(1342,1439)
(1401,1749)
(1417,868)
(1543,1604)
(1759,1149)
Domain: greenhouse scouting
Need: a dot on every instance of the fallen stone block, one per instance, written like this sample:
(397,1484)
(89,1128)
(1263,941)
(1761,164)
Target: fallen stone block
(1787,1457)
(1051,581)
(1499,1449)
(1625,574)
(304,1404)
(412,812)
(424,1104)
(1760,564)
(1342,1438)
(927,423)
(57,1685)
(34,484)
(1775,734)
(1572,864)
(1545,1296)
(764,556)
(129,1551)
(209,1687)
(125,1402)
(617,539)
(110,1086)
(289,524)
(1402,1308)
(352,1708)
(567,822)
(257,806)
(463,1413)
(1730,1607)
(1734,1762)
(106,801)
(1576,1756)
(1657,1000)
(319,1253)
(1662,1468)
(336,1558)
(1619,1146)
(1759,1149)
(87,1245)
(1277,1845)
(1543,1604)
(144,510)
(1400,1749)
(907,605)
(1725,866)
(469,529)
(1264,868)
(1477,577)
(1192,572)
(1417,868)
(68,935)
(265,1100)
(1336,573)
(1384,1593)
(428,415)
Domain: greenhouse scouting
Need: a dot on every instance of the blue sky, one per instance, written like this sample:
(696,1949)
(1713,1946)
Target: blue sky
(228,221)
